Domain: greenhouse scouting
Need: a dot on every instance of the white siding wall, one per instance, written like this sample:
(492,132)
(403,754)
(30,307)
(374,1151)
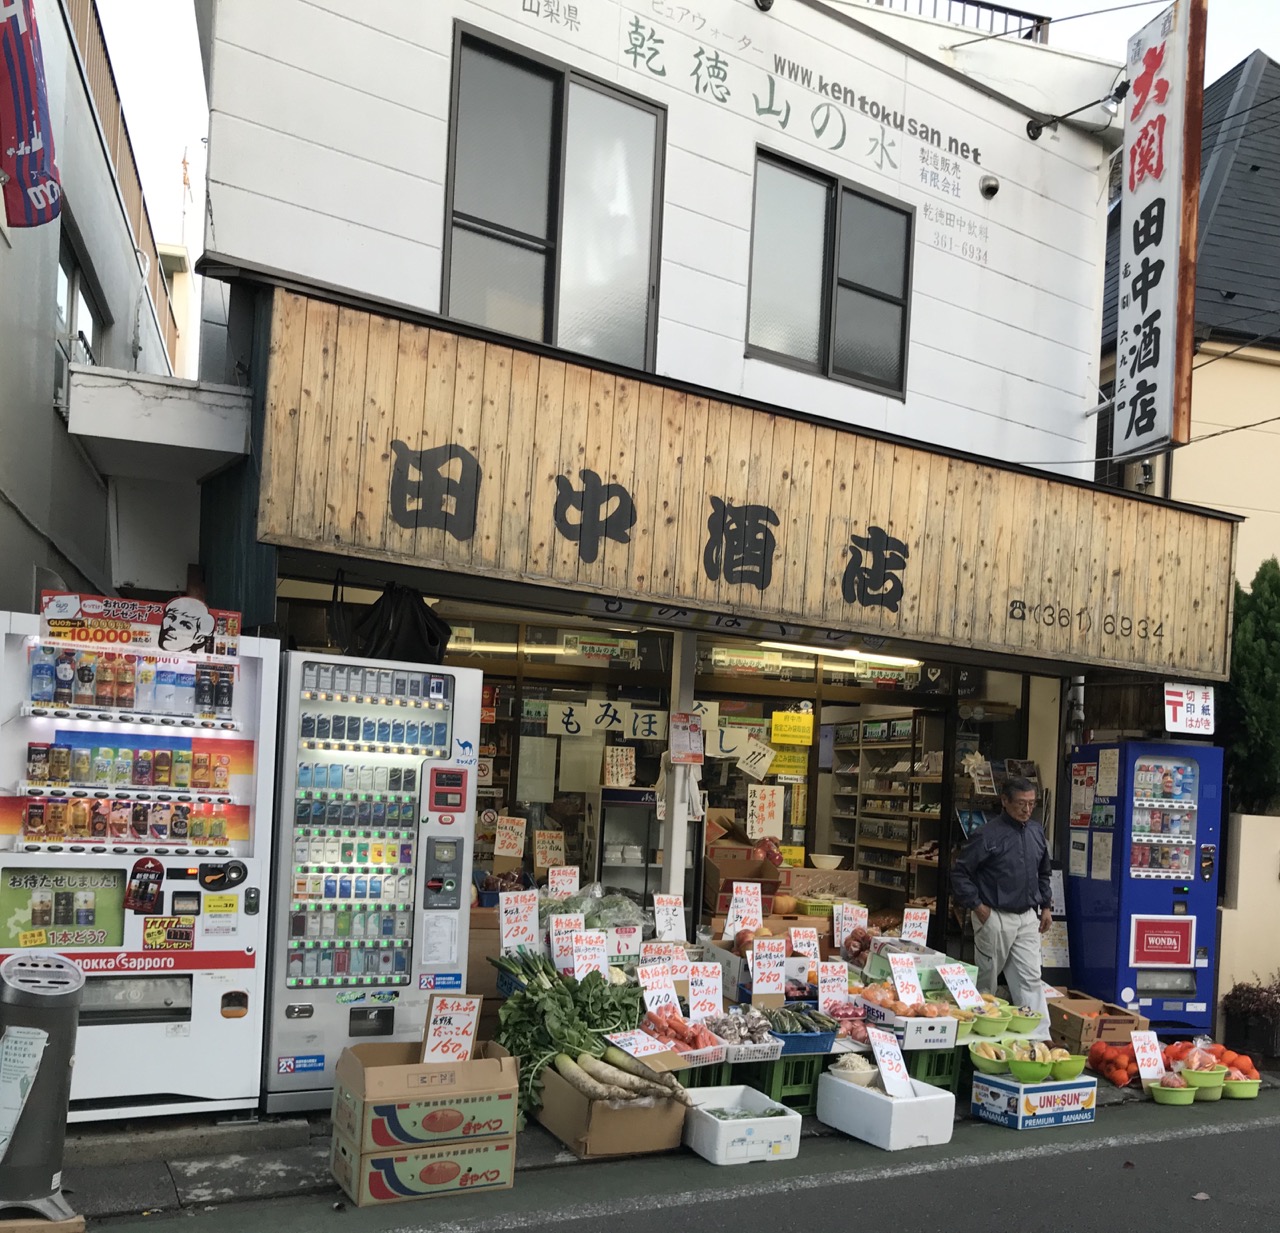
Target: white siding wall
(329,129)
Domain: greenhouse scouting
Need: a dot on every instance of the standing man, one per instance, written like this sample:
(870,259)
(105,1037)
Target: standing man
(1002,877)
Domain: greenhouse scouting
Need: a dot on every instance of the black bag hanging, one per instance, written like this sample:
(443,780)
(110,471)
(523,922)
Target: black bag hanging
(399,625)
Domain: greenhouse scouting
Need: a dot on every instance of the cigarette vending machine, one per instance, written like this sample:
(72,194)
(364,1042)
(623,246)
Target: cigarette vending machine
(135,828)
(377,800)
(1142,878)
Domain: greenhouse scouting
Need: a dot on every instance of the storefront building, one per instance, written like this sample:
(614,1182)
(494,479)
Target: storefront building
(691,362)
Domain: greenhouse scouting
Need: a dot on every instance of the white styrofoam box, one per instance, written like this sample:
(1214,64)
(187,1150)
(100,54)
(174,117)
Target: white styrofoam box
(744,1140)
(887,1122)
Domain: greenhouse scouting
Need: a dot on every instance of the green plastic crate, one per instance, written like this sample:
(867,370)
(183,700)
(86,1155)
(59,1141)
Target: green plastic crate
(716,1075)
(940,1067)
(792,1080)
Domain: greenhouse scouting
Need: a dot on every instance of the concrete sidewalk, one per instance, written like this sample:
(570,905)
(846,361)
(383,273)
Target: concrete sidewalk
(117,1169)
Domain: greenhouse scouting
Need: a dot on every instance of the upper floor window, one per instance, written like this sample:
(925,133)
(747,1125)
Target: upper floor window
(830,276)
(78,324)
(554,192)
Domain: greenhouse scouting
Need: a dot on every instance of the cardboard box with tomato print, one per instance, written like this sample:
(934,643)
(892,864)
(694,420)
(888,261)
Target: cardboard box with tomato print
(405,1129)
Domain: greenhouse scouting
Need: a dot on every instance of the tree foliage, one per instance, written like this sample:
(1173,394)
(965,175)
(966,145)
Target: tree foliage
(1251,701)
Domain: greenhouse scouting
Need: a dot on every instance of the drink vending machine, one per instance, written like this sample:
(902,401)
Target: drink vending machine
(1142,878)
(135,829)
(377,805)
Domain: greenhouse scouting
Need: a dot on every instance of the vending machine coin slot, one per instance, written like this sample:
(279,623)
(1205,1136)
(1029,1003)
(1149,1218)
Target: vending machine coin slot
(1208,858)
(442,875)
(448,790)
(372,1021)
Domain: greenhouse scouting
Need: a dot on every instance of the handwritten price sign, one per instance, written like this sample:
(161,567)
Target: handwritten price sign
(745,909)
(1146,1050)
(706,991)
(451,1028)
(845,918)
(956,978)
(833,985)
(638,1044)
(893,1070)
(518,919)
(671,953)
(562,930)
(769,973)
(562,881)
(589,954)
(906,979)
(659,989)
(508,839)
(668,915)
(548,848)
(915,925)
(804,941)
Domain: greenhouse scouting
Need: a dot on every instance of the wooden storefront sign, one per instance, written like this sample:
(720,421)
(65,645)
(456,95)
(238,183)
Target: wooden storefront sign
(401,442)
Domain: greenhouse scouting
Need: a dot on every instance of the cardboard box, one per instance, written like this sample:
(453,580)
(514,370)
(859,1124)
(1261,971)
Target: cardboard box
(884,1122)
(913,1033)
(422,1173)
(482,941)
(1029,1106)
(385,1098)
(592,1129)
(1076,1021)
(840,882)
(724,850)
(877,968)
(719,878)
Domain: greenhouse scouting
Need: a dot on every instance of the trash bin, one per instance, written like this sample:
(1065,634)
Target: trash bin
(40,996)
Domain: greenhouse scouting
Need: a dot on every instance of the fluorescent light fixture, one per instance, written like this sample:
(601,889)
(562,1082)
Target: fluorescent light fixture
(888,661)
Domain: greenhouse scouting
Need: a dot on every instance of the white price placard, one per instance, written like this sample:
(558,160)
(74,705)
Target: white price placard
(706,991)
(956,978)
(562,881)
(548,848)
(589,954)
(1146,1051)
(906,979)
(804,942)
(562,929)
(671,953)
(658,987)
(518,918)
(893,1070)
(668,915)
(451,1028)
(833,984)
(769,967)
(508,839)
(845,918)
(915,925)
(638,1044)
(745,908)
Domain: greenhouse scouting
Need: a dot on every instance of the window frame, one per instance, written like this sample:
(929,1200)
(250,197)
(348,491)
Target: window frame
(836,186)
(566,75)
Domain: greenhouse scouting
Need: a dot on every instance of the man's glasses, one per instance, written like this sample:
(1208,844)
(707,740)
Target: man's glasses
(1023,803)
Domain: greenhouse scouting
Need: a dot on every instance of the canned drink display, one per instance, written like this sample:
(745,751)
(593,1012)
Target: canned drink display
(86,908)
(59,764)
(41,909)
(81,765)
(37,762)
(64,908)
(104,759)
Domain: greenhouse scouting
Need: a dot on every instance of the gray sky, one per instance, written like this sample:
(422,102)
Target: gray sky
(156,59)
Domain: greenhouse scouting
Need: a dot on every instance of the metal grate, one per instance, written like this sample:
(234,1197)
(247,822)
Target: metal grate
(976,15)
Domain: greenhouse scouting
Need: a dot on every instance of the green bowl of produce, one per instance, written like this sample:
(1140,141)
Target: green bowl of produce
(1023,1023)
(1069,1068)
(995,1064)
(1205,1078)
(1240,1089)
(1173,1095)
(1030,1072)
(991,1025)
(964,1029)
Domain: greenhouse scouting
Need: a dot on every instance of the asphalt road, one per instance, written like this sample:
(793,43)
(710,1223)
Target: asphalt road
(1204,1168)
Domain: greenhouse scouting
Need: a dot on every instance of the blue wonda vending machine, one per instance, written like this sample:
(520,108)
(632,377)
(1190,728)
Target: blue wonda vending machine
(1142,877)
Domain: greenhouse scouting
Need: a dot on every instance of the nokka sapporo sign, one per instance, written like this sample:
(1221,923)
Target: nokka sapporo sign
(394,441)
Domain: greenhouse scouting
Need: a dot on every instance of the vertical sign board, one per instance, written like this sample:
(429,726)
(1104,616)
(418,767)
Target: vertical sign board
(1158,219)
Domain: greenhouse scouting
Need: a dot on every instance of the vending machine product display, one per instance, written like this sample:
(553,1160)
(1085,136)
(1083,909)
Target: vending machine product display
(377,803)
(1142,877)
(135,833)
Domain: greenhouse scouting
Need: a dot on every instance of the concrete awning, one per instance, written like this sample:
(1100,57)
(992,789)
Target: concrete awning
(151,427)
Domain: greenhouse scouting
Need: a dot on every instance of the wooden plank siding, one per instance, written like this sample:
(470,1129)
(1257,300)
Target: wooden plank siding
(996,560)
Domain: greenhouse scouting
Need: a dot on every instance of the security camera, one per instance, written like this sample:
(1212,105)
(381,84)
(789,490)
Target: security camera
(764,5)
(988,186)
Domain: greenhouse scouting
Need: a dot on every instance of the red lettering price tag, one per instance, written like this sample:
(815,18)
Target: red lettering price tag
(706,991)
(548,848)
(956,978)
(659,989)
(833,984)
(769,966)
(804,942)
(562,881)
(518,919)
(668,915)
(589,954)
(508,838)
(845,918)
(906,979)
(671,953)
(745,910)
(1146,1050)
(451,1028)
(562,929)
(893,1070)
(638,1044)
(915,925)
